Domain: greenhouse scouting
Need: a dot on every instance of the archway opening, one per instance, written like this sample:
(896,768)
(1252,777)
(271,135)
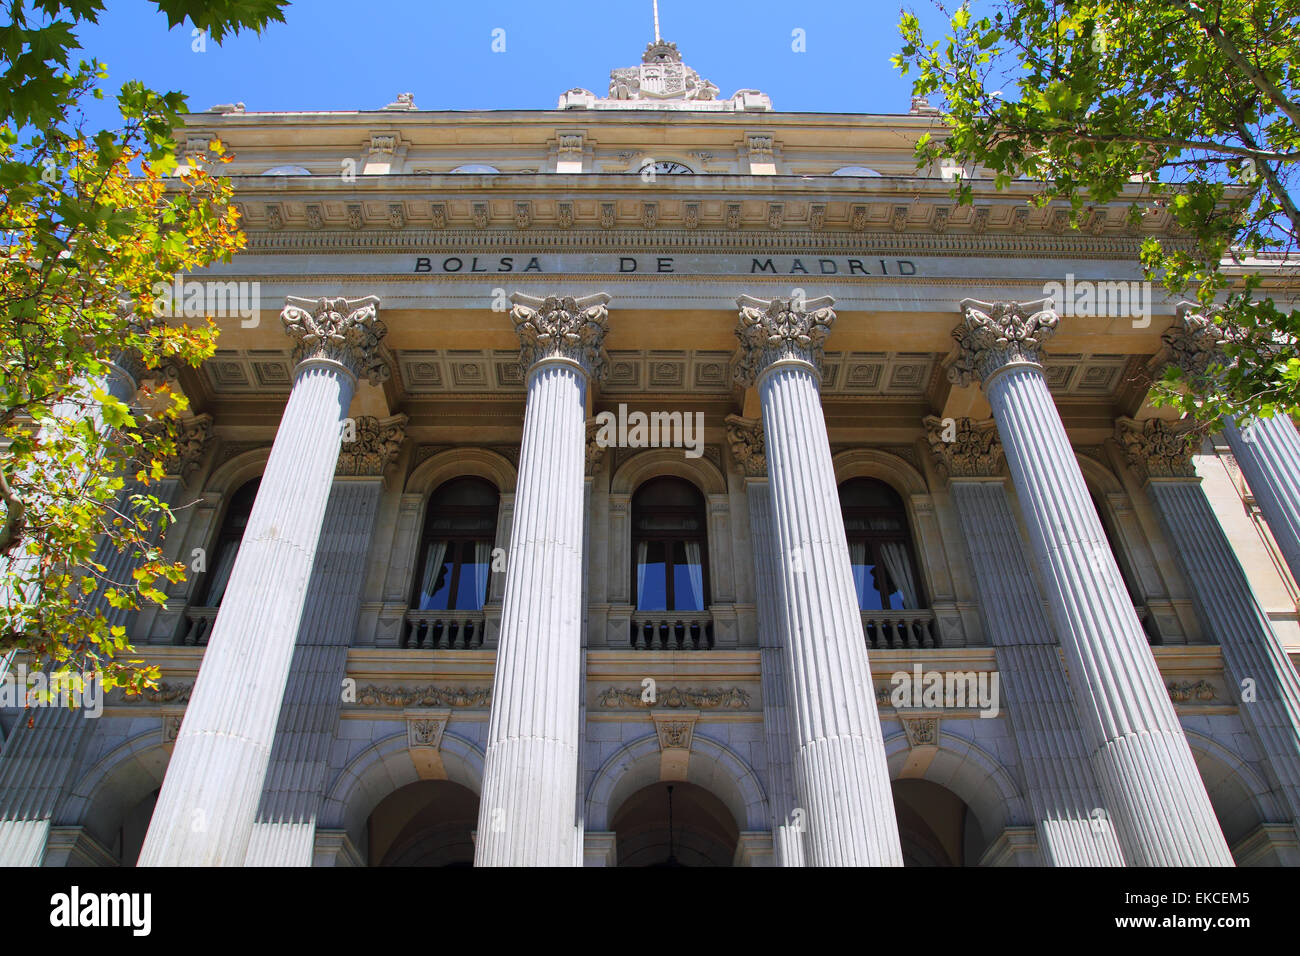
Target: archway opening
(131,834)
(935,826)
(1234,805)
(675,824)
(426,823)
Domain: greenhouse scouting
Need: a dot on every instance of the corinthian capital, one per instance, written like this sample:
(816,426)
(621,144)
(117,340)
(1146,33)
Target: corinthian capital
(347,331)
(191,438)
(964,448)
(562,327)
(996,334)
(373,448)
(1195,341)
(773,330)
(1159,449)
(745,436)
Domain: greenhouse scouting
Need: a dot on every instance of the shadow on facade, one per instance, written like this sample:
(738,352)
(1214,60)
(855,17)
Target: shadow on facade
(935,826)
(427,823)
(702,830)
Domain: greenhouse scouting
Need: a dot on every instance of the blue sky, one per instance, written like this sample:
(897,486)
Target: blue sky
(331,54)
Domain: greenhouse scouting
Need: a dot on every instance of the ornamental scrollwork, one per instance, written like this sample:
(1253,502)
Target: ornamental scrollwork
(347,331)
(996,334)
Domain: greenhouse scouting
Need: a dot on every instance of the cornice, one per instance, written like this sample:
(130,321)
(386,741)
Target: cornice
(783,242)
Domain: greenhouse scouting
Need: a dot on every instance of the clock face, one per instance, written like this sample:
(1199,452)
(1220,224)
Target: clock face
(668,168)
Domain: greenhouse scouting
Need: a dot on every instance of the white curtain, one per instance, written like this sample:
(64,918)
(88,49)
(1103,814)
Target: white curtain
(642,552)
(432,566)
(482,569)
(221,573)
(695,570)
(894,555)
(861,573)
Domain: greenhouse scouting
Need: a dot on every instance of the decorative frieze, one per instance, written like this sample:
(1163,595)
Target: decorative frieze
(347,331)
(429,695)
(996,334)
(1182,692)
(562,326)
(729,698)
(315,220)
(965,448)
(745,436)
(396,215)
(164,693)
(1159,449)
(773,330)
(356,219)
(374,448)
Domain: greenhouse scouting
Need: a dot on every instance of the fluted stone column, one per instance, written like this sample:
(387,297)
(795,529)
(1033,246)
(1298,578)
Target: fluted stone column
(285,831)
(1261,677)
(209,798)
(1267,449)
(840,772)
(1070,815)
(36,762)
(1150,782)
(746,441)
(530,773)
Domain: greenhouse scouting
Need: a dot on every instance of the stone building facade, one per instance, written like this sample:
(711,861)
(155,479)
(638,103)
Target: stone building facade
(586,486)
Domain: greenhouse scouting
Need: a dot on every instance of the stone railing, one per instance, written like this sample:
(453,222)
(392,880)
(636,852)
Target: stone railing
(198,625)
(461,630)
(900,629)
(672,630)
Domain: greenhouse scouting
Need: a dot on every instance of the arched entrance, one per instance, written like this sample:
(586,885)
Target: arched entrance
(935,826)
(130,835)
(426,823)
(702,832)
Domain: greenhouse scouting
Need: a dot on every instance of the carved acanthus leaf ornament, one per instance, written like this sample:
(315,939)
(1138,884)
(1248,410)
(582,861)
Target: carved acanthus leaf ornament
(347,331)
(773,330)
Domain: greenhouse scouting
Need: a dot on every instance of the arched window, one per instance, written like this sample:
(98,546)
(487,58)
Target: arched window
(287,171)
(456,547)
(476,168)
(669,546)
(227,546)
(880,547)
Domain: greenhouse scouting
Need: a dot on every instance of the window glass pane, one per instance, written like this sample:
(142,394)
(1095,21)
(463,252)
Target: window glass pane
(476,565)
(688,576)
(435,586)
(651,581)
(864,582)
